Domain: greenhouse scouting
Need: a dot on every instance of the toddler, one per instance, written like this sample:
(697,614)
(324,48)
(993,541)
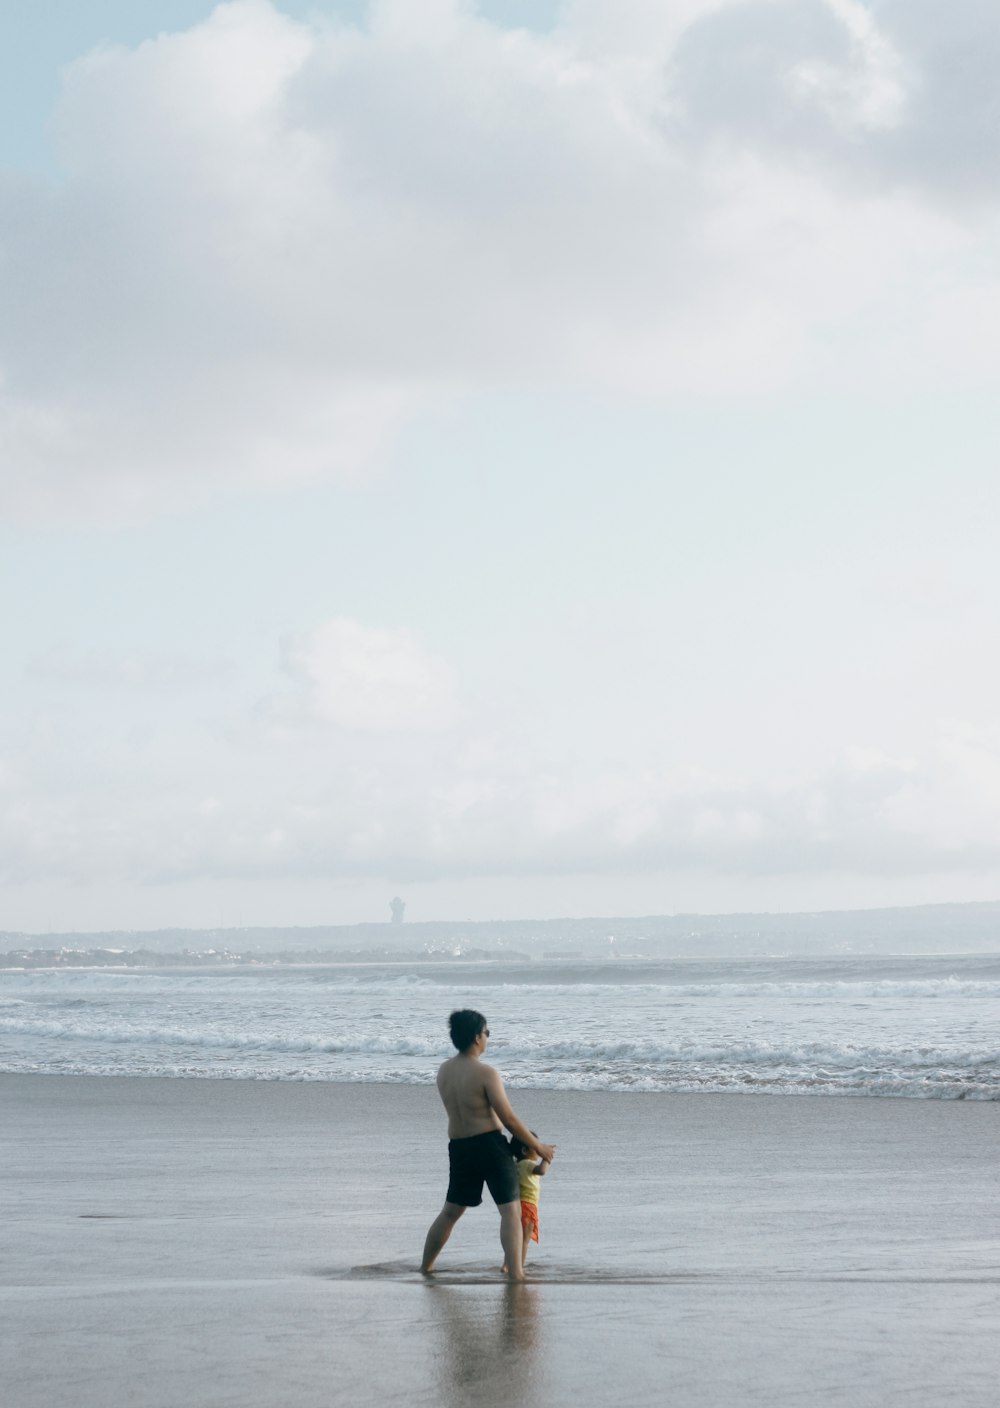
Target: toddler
(529,1170)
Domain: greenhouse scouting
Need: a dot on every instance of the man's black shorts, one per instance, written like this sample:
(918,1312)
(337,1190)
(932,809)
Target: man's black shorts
(482,1158)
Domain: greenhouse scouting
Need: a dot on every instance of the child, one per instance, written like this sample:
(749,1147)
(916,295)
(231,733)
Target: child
(528,1173)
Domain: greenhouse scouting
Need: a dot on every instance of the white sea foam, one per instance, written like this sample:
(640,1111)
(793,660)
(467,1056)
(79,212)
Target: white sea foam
(925,1028)
(570,1053)
(236,1041)
(887,988)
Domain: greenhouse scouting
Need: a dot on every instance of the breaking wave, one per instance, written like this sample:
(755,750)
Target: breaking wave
(913,1028)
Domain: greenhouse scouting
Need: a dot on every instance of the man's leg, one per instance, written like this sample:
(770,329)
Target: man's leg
(510,1238)
(440,1230)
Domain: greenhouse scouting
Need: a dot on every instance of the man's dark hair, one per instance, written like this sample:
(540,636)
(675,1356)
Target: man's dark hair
(465,1027)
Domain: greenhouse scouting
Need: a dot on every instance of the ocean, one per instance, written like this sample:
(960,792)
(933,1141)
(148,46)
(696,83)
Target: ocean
(925,1026)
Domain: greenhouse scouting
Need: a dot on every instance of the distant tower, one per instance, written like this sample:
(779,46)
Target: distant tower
(398,908)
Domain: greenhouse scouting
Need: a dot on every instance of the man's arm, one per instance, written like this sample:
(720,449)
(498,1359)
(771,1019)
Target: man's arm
(501,1106)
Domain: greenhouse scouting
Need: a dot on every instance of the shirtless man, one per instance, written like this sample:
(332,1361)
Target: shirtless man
(478,1109)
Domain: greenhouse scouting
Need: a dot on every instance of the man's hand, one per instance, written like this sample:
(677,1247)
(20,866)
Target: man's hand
(497,1098)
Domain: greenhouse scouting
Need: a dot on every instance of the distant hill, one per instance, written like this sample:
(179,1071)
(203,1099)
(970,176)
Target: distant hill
(938,928)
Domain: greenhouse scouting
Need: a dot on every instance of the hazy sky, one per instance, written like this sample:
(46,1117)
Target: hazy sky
(533,470)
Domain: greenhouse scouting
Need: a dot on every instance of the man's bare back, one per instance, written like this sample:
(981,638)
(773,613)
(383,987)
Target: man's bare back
(462,1084)
(476,1101)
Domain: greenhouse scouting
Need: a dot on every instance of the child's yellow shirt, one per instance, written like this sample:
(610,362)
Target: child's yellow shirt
(528,1180)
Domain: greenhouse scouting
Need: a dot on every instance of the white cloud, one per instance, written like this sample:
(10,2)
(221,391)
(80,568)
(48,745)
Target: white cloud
(866,93)
(375,788)
(130,670)
(862,759)
(276,241)
(368,679)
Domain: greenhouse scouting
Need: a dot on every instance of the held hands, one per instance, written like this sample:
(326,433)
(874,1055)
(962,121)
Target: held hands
(547,1152)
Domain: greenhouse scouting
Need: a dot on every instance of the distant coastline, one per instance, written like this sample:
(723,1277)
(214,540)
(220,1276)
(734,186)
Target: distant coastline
(125,959)
(920,929)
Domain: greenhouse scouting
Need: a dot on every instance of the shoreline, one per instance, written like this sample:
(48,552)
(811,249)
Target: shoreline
(770,1095)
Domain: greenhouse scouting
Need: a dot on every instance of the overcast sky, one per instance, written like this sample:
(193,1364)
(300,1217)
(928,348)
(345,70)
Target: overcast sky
(536,459)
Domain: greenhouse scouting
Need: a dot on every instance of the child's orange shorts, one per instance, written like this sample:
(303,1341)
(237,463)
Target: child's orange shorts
(529,1220)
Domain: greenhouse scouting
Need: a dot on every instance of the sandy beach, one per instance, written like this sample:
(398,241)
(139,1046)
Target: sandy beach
(181,1242)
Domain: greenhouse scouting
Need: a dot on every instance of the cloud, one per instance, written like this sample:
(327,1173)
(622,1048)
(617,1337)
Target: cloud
(129,670)
(897,93)
(369,771)
(277,242)
(813,79)
(369,680)
(946,143)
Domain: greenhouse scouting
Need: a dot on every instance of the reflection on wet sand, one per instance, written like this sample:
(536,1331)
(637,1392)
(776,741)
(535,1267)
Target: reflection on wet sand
(489,1344)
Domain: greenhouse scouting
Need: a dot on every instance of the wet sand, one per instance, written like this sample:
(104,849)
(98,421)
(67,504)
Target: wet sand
(196,1243)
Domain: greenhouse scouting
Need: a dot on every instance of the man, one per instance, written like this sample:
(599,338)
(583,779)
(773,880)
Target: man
(478,1109)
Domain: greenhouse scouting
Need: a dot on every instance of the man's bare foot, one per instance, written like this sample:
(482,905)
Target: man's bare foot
(503,1269)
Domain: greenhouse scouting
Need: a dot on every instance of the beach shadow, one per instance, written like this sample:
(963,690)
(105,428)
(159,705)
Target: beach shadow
(489,1347)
